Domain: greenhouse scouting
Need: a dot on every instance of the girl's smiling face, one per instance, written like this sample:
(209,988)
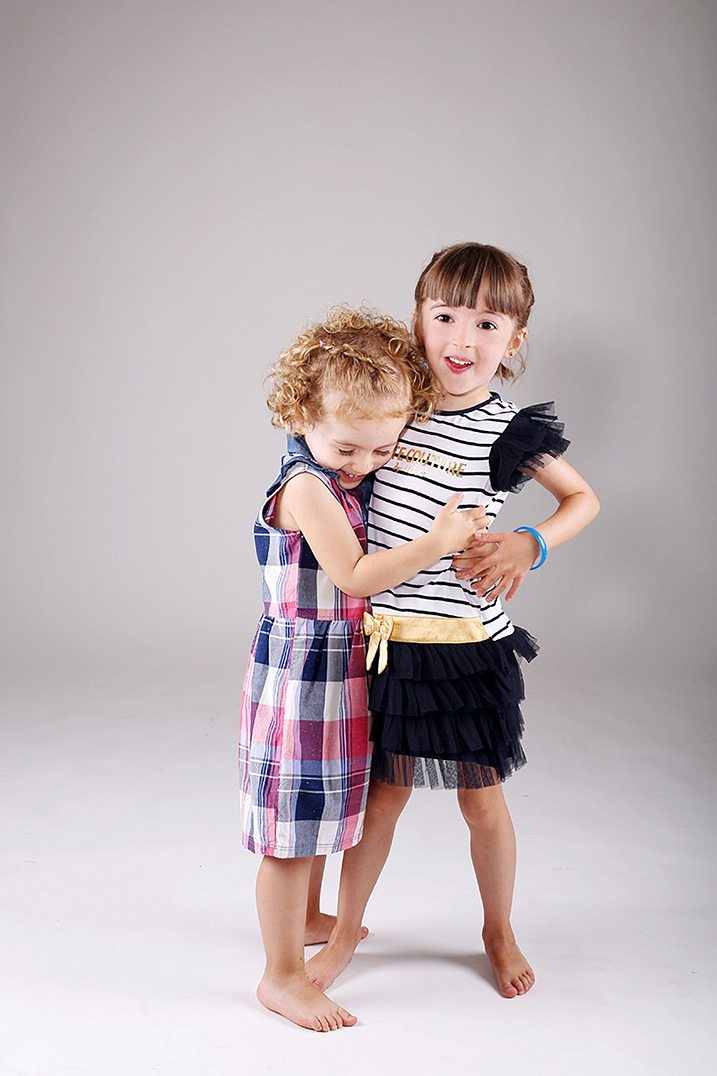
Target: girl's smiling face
(464,347)
(354,448)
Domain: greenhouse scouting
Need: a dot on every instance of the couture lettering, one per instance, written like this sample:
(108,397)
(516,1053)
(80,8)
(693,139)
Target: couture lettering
(419,457)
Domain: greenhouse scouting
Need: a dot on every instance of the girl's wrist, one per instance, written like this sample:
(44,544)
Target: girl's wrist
(542,547)
(436,549)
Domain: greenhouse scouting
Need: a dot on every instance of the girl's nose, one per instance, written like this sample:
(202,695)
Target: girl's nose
(463,338)
(361,464)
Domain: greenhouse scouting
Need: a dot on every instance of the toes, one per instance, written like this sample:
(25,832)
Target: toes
(347,1018)
(521,984)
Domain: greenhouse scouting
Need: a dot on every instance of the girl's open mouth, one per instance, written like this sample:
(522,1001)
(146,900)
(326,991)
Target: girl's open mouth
(457,366)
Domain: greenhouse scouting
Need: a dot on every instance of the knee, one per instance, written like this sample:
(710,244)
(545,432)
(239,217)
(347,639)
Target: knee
(482,808)
(386,802)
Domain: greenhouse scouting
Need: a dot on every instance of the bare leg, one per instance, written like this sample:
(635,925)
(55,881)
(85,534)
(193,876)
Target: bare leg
(318,924)
(360,871)
(282,889)
(493,856)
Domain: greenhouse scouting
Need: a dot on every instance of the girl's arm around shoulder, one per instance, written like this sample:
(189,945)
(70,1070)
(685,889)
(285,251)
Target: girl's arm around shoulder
(509,556)
(305,504)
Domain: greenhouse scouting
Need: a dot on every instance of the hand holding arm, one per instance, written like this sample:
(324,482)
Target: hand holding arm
(455,529)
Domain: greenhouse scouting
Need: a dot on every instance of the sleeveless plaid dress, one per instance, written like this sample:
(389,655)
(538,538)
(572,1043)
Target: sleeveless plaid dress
(304,751)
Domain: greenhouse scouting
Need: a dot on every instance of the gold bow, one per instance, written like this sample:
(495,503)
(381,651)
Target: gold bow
(378,627)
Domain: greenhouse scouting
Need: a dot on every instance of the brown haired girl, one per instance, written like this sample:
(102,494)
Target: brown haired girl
(345,389)
(447,707)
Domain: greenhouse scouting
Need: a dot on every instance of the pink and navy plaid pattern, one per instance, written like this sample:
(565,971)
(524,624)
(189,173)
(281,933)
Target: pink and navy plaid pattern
(304,750)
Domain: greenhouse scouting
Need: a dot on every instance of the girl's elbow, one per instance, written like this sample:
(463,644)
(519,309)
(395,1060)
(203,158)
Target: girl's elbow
(357,584)
(595,505)
(354,589)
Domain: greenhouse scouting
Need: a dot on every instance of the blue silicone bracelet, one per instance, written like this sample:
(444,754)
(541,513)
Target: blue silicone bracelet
(541,542)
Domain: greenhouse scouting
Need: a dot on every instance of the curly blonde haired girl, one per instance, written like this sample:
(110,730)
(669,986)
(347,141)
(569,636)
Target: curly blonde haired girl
(346,388)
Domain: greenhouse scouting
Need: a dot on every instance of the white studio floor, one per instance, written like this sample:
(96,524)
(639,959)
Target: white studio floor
(131,943)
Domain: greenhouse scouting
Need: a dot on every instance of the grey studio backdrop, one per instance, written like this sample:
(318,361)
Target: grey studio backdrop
(185,185)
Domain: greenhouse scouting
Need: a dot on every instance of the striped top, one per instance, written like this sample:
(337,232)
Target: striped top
(455,451)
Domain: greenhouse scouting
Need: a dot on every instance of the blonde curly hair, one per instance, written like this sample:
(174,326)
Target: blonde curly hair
(364,361)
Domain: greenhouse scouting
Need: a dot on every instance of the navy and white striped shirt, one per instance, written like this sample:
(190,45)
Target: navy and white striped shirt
(433,460)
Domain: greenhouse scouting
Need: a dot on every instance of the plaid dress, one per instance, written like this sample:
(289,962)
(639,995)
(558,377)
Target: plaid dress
(304,751)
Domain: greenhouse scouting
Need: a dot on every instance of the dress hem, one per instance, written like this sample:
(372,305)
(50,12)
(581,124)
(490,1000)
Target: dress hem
(292,853)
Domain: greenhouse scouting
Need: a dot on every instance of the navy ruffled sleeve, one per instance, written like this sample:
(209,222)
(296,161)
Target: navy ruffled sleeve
(530,440)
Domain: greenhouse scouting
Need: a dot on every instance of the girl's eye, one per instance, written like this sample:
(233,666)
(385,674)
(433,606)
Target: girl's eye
(346,452)
(486,325)
(383,453)
(443,317)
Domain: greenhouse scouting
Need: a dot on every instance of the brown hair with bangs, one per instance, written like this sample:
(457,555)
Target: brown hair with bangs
(360,362)
(457,274)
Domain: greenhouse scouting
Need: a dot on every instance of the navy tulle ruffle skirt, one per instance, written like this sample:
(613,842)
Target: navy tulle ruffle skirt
(447,715)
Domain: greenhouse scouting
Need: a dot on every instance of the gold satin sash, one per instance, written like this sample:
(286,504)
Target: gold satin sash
(417,629)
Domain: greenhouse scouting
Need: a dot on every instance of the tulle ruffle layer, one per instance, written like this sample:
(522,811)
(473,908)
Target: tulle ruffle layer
(530,440)
(448,715)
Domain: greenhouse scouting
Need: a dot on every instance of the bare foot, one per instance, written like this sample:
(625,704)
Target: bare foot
(324,968)
(303,1003)
(318,929)
(513,973)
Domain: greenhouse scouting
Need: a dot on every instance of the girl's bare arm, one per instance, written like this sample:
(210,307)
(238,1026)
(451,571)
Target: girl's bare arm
(500,562)
(305,504)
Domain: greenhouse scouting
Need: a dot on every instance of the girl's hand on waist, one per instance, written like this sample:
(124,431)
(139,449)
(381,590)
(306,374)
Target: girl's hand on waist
(507,560)
(470,561)
(453,528)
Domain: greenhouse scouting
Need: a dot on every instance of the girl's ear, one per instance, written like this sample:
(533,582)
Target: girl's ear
(518,341)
